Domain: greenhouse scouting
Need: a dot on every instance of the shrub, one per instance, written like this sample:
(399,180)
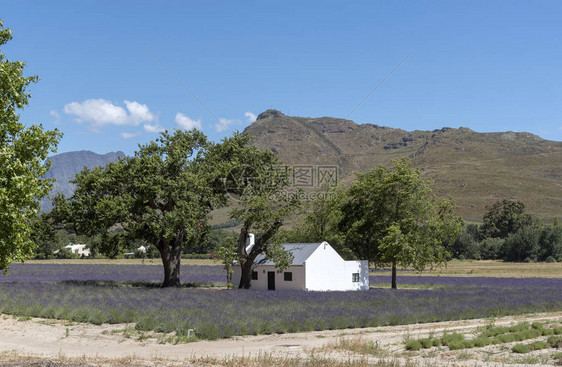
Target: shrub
(495,330)
(450,338)
(456,345)
(426,343)
(555,341)
(490,248)
(413,345)
(520,348)
(519,327)
(547,332)
(506,338)
(539,345)
(557,330)
(482,342)
(537,325)
(436,342)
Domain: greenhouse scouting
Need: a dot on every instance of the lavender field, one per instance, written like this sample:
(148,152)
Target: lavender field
(127,293)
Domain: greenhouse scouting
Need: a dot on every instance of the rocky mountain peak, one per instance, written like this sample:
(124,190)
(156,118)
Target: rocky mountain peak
(269,114)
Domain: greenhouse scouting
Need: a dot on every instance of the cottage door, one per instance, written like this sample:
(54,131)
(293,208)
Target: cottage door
(270,280)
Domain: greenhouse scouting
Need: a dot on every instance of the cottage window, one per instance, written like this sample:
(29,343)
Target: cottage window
(254,275)
(288,276)
(355,277)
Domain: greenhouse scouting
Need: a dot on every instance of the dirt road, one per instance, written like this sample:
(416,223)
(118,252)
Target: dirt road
(52,339)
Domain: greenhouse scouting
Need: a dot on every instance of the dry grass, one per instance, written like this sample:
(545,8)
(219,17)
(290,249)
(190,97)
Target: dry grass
(261,360)
(493,268)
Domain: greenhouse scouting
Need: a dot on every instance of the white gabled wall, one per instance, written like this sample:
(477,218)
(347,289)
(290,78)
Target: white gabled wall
(280,283)
(327,271)
(361,267)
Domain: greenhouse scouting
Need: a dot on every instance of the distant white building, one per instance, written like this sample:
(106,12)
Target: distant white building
(78,249)
(315,267)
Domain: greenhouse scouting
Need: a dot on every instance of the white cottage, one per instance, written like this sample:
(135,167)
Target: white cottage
(315,267)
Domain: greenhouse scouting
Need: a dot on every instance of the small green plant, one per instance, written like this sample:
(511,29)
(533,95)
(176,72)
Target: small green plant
(413,345)
(555,341)
(446,339)
(519,327)
(426,342)
(557,330)
(537,325)
(539,345)
(520,348)
(67,332)
(482,341)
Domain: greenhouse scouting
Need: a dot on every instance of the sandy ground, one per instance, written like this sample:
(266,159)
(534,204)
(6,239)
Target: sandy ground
(52,339)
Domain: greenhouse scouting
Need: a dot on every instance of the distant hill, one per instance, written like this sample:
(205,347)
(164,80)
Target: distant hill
(473,168)
(66,165)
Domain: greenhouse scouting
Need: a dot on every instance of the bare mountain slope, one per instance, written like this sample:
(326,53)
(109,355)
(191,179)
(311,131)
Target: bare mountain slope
(475,169)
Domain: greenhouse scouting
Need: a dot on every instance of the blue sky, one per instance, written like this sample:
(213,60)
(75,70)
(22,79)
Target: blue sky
(486,65)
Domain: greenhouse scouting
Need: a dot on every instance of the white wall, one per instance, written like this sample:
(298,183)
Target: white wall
(280,283)
(327,271)
(361,267)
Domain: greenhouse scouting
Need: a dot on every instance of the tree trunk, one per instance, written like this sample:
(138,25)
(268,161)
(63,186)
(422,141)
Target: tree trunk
(246,277)
(394,274)
(171,256)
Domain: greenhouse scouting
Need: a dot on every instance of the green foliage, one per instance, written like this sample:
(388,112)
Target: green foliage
(413,345)
(465,247)
(506,338)
(534,244)
(520,348)
(482,342)
(504,218)
(491,248)
(538,345)
(23,161)
(162,195)
(227,254)
(43,235)
(257,184)
(391,216)
(318,221)
(555,341)
(446,339)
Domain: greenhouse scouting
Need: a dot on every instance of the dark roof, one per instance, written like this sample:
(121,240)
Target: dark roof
(301,252)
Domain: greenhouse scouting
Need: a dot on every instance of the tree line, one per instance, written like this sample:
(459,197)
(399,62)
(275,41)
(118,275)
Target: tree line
(509,233)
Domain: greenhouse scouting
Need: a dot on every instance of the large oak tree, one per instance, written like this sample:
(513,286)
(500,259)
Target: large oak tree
(163,195)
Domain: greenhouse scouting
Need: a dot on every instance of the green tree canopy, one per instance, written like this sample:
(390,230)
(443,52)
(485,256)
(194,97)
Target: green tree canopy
(23,161)
(391,217)
(162,195)
(256,185)
(504,218)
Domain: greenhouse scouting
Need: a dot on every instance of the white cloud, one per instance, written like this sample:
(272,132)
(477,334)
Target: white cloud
(156,128)
(139,112)
(185,122)
(224,124)
(100,112)
(126,135)
(251,116)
